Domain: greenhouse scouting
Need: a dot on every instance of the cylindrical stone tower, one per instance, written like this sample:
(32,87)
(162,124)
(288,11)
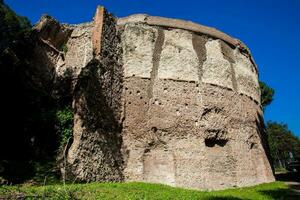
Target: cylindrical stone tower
(158,100)
(192,112)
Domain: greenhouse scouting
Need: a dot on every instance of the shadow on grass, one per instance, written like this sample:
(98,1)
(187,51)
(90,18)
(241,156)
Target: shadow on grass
(289,176)
(223,198)
(280,194)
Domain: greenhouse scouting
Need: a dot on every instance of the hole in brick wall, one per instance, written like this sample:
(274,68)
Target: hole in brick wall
(154,129)
(165,90)
(130,92)
(126,88)
(252,145)
(138,92)
(129,102)
(147,150)
(141,97)
(211,142)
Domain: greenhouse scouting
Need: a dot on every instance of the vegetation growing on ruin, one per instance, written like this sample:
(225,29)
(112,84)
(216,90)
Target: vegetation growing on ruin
(64,119)
(276,190)
(64,48)
(36,124)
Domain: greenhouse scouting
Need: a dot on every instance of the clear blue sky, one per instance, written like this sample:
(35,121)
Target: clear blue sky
(270,28)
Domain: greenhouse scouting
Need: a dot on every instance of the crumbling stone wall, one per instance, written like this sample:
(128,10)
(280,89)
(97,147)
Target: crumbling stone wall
(192,107)
(162,100)
(95,154)
(47,58)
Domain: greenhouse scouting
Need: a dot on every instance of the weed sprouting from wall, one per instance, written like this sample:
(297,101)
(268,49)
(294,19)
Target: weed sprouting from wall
(64,118)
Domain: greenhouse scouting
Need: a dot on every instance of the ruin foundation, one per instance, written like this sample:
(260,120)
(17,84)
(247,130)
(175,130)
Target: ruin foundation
(160,100)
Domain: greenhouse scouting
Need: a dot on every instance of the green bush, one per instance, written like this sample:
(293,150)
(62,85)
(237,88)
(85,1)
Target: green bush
(64,48)
(64,118)
(45,172)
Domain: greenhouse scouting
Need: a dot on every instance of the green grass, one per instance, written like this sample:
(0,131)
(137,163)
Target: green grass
(276,190)
(281,169)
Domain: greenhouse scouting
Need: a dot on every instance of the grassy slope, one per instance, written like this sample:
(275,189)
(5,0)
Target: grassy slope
(276,190)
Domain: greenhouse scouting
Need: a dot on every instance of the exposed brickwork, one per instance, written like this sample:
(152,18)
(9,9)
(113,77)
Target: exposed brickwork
(97,30)
(161,100)
(199,125)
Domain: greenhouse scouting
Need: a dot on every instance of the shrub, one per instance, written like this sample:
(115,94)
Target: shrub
(64,119)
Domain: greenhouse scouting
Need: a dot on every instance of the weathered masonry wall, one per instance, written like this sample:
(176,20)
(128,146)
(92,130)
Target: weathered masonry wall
(192,108)
(95,154)
(157,100)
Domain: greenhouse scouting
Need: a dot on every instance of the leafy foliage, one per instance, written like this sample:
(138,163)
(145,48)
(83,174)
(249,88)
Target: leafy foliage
(45,172)
(282,142)
(64,119)
(267,94)
(36,124)
(64,48)
(13,28)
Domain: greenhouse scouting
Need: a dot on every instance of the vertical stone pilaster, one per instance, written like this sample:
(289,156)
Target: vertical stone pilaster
(97,30)
(155,59)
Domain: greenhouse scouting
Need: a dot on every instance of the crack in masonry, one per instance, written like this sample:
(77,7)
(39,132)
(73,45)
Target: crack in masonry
(155,60)
(85,56)
(228,55)
(199,47)
(233,78)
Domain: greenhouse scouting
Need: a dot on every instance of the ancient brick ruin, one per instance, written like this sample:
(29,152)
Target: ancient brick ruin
(158,100)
